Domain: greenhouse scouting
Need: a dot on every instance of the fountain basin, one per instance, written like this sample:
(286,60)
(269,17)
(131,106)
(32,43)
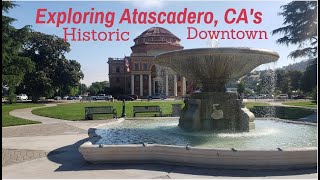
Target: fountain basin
(214,67)
(126,142)
(200,157)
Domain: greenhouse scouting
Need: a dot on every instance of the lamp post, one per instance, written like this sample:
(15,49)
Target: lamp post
(123,109)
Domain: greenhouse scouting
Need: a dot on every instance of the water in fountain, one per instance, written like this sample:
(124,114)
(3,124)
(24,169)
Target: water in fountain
(269,134)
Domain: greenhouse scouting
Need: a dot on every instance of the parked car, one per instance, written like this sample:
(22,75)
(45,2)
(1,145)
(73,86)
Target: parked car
(65,97)
(134,96)
(299,97)
(261,96)
(251,97)
(57,98)
(71,98)
(158,96)
(22,97)
(101,97)
(78,97)
(283,96)
(125,97)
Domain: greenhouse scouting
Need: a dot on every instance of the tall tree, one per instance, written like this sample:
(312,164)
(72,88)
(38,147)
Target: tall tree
(52,70)
(294,79)
(14,65)
(300,28)
(82,88)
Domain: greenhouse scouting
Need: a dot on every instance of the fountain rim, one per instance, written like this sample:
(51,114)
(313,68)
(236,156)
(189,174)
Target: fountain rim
(218,50)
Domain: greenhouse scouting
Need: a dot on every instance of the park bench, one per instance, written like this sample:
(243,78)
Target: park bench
(90,111)
(146,109)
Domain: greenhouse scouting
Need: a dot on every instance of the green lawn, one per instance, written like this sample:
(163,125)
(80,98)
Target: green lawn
(75,111)
(8,120)
(250,105)
(302,104)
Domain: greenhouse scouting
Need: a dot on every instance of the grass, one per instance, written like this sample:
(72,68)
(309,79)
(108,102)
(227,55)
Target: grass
(250,105)
(302,104)
(75,111)
(8,120)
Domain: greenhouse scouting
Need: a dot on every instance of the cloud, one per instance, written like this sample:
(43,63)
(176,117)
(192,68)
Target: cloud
(148,4)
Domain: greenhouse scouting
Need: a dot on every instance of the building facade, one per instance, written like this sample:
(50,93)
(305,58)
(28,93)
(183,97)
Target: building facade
(138,74)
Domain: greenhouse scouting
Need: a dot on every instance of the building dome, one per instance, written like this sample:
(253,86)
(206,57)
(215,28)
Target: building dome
(156,38)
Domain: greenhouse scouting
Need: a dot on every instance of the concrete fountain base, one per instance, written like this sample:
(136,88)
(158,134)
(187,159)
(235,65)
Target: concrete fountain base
(294,158)
(219,111)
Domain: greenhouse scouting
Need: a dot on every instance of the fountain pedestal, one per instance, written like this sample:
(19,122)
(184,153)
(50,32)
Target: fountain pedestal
(220,111)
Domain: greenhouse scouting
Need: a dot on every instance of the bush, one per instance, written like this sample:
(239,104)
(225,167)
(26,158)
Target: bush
(314,94)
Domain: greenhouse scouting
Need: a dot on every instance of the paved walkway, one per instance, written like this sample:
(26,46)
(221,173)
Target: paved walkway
(50,151)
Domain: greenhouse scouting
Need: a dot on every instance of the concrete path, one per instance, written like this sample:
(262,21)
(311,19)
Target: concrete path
(27,114)
(50,151)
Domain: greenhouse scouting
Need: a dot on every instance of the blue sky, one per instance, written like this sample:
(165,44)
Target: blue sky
(93,56)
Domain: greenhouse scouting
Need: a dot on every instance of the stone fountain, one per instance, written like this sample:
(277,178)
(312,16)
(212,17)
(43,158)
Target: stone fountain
(214,108)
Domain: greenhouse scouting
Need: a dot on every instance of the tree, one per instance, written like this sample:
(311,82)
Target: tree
(282,81)
(241,87)
(266,83)
(300,28)
(14,65)
(52,70)
(74,90)
(294,79)
(82,88)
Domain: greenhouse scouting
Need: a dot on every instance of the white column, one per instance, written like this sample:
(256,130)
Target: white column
(149,85)
(132,84)
(141,84)
(167,85)
(184,88)
(175,86)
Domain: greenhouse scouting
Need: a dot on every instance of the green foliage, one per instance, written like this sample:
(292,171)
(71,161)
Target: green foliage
(300,28)
(14,65)
(315,94)
(52,70)
(309,78)
(99,88)
(294,78)
(266,83)
(74,91)
(82,88)
(241,87)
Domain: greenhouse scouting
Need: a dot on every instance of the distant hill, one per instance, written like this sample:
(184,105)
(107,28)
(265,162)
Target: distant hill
(300,66)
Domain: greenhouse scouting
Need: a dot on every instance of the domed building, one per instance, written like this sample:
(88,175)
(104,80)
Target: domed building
(137,74)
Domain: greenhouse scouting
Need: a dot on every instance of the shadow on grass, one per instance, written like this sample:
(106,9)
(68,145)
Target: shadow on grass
(70,159)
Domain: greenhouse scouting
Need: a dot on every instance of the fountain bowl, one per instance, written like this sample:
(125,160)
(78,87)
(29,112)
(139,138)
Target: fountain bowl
(214,67)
